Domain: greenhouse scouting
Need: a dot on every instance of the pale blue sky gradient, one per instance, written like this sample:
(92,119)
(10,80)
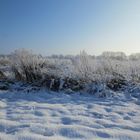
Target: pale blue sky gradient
(69,26)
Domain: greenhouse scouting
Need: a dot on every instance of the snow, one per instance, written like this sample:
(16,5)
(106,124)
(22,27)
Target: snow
(46,115)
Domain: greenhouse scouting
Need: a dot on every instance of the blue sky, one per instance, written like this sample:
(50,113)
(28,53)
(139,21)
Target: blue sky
(69,26)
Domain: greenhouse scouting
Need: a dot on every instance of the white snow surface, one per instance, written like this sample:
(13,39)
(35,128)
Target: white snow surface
(57,116)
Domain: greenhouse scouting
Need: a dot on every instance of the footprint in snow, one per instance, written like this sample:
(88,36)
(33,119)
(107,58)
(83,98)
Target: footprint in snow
(108,109)
(103,134)
(70,133)
(131,114)
(68,121)
(127,118)
(38,113)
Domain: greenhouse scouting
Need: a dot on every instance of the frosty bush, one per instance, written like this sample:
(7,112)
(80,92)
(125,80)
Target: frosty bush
(75,72)
(4,60)
(2,75)
(98,69)
(27,66)
(84,66)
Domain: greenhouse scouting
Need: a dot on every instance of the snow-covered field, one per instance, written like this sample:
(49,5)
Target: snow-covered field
(58,116)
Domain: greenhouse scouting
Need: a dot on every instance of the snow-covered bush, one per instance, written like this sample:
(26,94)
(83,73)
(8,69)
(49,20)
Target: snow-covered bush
(97,69)
(84,66)
(27,66)
(4,60)
(2,75)
(75,72)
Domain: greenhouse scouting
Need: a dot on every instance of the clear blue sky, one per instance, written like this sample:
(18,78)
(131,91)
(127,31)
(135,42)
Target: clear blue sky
(69,26)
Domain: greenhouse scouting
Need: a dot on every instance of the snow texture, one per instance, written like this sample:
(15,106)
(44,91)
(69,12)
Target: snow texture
(47,115)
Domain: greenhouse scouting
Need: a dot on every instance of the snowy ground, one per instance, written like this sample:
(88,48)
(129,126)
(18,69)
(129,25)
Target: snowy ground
(55,116)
